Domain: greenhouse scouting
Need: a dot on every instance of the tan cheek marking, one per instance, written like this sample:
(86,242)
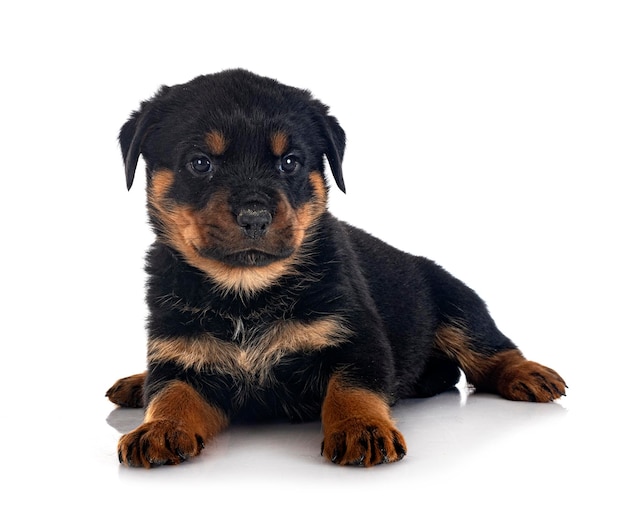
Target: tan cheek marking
(319,187)
(216,142)
(288,223)
(161,182)
(284,217)
(185,231)
(308,214)
(300,222)
(182,225)
(189,227)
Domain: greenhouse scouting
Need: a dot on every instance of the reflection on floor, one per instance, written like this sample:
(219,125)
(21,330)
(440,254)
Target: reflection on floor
(437,430)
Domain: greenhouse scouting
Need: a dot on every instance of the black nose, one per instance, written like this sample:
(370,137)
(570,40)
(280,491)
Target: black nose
(254,220)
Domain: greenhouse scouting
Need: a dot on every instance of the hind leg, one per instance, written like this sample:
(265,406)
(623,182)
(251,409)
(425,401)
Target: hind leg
(499,368)
(439,375)
(512,376)
(467,335)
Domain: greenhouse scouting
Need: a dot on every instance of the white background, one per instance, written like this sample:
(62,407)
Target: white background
(489,136)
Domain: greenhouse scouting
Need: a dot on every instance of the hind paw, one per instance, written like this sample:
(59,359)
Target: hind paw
(530,381)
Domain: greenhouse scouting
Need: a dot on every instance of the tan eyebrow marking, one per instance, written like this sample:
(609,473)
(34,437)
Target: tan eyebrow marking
(216,141)
(279,143)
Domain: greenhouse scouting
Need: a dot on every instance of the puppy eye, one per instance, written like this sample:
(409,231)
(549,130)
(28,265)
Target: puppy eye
(200,165)
(289,164)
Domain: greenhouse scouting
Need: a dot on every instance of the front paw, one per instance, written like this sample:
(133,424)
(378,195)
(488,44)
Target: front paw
(159,442)
(363,442)
(128,392)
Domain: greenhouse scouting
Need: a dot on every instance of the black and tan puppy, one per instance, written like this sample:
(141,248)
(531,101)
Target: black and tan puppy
(262,304)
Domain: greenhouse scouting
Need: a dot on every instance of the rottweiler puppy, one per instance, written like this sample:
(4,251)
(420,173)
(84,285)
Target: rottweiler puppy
(263,305)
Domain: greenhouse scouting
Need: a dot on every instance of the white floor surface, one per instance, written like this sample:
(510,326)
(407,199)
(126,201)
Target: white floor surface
(465,450)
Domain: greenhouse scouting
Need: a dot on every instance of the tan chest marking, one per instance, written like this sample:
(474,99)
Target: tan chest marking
(255,355)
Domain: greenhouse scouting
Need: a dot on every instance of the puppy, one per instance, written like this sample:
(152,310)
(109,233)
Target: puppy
(264,305)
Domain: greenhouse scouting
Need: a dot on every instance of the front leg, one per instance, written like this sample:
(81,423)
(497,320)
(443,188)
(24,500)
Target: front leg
(358,428)
(177,423)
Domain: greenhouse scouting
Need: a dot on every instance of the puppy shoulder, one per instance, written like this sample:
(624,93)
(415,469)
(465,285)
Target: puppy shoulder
(363,243)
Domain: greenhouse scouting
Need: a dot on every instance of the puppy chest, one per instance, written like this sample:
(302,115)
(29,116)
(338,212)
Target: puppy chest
(252,352)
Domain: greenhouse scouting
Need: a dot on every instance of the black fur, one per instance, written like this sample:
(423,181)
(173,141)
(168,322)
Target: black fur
(393,305)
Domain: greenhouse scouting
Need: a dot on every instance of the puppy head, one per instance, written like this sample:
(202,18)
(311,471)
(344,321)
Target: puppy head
(235,168)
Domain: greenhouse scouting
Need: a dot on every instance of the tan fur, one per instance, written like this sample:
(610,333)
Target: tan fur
(358,427)
(179,401)
(256,353)
(279,142)
(455,343)
(177,423)
(507,373)
(343,400)
(216,142)
(514,377)
(188,231)
(128,391)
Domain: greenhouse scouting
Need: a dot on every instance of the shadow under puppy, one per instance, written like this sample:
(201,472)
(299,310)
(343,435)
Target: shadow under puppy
(262,304)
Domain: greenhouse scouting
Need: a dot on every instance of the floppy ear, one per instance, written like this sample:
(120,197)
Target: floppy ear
(131,137)
(134,131)
(335,139)
(335,146)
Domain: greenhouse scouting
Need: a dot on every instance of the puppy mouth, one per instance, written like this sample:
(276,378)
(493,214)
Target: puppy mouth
(247,257)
